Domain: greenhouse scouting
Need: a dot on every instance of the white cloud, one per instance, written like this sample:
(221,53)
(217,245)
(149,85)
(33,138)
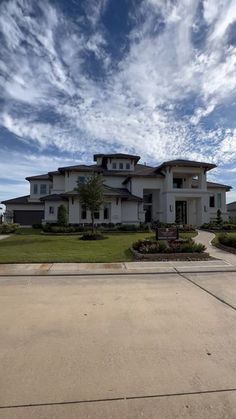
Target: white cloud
(136,104)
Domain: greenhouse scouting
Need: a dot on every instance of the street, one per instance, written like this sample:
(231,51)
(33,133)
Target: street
(118,346)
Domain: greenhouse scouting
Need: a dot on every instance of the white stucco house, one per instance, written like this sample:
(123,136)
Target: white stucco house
(134,193)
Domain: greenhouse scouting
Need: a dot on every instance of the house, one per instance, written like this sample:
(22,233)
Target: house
(231,208)
(134,193)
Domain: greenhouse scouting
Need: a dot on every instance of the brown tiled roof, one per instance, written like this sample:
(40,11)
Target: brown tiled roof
(109,191)
(80,168)
(117,156)
(21,200)
(39,177)
(231,206)
(218,185)
(186,163)
(53,197)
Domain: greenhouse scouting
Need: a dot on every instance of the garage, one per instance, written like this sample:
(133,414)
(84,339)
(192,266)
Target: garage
(28,217)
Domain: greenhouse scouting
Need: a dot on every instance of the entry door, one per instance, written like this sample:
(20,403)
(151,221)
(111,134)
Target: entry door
(181,212)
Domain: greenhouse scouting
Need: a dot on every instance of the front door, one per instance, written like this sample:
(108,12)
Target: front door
(181,212)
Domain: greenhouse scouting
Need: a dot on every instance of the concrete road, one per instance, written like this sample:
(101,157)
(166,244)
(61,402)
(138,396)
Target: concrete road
(145,346)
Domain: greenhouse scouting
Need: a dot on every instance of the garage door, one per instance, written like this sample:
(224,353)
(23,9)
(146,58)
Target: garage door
(28,217)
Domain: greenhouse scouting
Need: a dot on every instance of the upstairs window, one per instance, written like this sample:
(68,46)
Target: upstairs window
(84,213)
(113,165)
(43,189)
(127,166)
(212,201)
(121,166)
(177,183)
(35,189)
(81,179)
(219,203)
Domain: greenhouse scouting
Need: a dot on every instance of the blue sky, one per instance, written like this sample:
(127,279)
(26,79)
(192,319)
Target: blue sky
(151,77)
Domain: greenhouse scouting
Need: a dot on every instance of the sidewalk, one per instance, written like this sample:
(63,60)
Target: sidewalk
(224,262)
(205,238)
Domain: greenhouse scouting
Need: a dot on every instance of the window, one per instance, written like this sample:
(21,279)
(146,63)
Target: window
(35,189)
(121,166)
(127,166)
(212,201)
(43,189)
(113,165)
(106,211)
(84,213)
(96,215)
(147,198)
(219,200)
(51,210)
(81,179)
(177,183)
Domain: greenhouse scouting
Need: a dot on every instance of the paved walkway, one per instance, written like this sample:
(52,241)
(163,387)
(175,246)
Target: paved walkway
(205,238)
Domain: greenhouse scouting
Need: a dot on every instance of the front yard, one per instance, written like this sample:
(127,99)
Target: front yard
(31,246)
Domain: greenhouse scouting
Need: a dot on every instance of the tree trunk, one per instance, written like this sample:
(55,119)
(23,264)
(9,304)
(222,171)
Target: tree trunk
(92,215)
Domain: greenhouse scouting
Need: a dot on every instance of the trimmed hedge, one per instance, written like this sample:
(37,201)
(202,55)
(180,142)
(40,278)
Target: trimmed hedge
(8,228)
(175,246)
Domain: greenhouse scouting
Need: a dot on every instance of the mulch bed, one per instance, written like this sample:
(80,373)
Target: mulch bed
(170,256)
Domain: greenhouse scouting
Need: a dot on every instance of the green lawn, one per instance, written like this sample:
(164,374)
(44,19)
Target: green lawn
(31,246)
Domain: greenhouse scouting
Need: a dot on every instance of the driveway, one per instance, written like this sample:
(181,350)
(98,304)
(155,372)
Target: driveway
(154,346)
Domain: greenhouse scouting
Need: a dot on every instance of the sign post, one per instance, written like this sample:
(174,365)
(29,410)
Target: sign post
(162,233)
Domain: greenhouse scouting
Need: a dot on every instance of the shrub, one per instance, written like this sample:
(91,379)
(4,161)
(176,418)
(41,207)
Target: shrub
(227,240)
(8,228)
(62,216)
(176,246)
(92,236)
(37,225)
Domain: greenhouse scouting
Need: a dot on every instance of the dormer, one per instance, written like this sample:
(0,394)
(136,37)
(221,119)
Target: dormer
(116,162)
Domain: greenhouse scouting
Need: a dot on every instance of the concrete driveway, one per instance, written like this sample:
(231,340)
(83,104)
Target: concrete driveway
(145,346)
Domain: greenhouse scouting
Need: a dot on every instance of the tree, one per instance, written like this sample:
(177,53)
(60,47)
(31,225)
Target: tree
(219,219)
(91,194)
(62,217)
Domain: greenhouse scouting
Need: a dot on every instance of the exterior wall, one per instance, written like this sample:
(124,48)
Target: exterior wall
(223,208)
(53,217)
(74,211)
(138,184)
(58,183)
(118,161)
(48,184)
(114,181)
(129,212)
(71,179)
(26,207)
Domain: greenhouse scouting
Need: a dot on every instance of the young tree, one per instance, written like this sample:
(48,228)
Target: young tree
(219,219)
(62,217)
(91,194)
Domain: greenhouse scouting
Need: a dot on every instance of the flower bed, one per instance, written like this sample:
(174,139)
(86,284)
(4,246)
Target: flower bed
(175,250)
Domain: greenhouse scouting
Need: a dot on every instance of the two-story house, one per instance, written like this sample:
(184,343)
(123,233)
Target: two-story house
(177,190)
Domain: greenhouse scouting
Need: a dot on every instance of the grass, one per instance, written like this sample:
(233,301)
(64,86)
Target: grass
(30,246)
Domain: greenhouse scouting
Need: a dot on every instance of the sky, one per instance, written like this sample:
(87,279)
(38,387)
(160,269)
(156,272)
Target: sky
(156,78)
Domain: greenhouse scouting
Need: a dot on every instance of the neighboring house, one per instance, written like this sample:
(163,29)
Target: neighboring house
(231,208)
(134,193)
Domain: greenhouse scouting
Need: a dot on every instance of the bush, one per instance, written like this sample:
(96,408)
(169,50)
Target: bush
(62,216)
(175,246)
(8,228)
(227,240)
(92,236)
(37,226)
